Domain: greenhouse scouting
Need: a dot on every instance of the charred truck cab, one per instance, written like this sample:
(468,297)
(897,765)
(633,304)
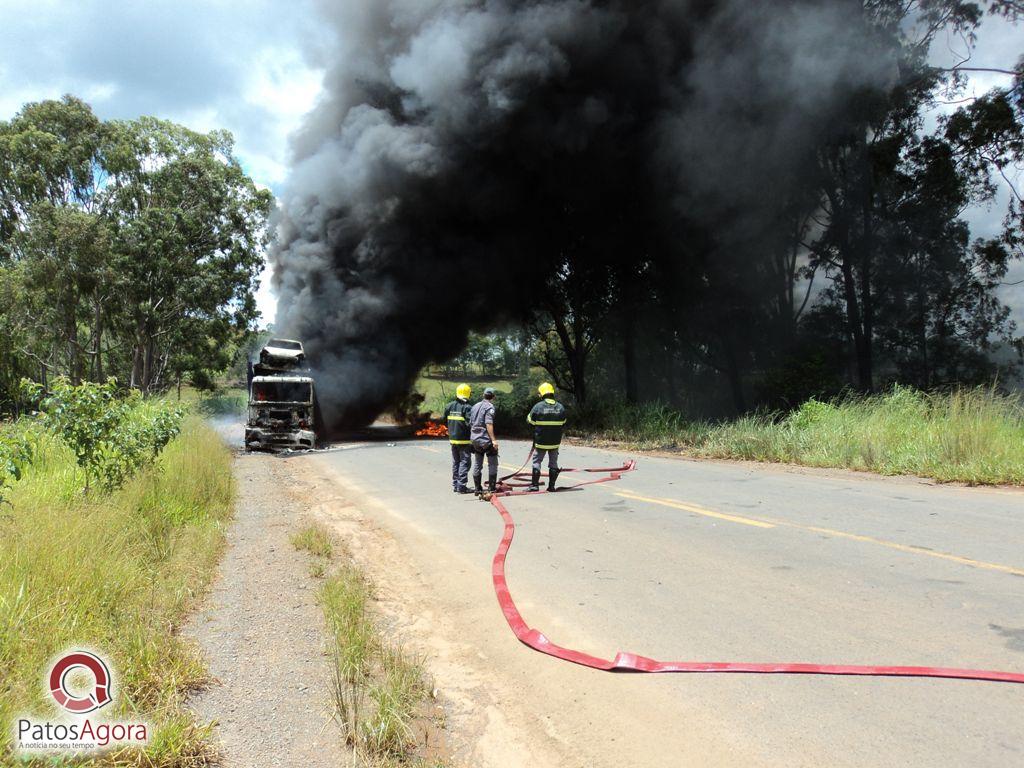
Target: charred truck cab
(284,411)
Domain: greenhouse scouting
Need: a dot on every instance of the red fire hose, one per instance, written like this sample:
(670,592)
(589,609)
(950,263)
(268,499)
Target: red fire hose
(631,662)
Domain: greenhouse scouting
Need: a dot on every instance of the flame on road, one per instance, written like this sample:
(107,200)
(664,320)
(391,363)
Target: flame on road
(432,429)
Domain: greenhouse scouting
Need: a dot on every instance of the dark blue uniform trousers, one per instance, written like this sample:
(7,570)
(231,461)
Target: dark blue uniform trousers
(462,456)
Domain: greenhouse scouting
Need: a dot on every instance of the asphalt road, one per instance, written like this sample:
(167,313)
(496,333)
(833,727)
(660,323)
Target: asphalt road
(735,562)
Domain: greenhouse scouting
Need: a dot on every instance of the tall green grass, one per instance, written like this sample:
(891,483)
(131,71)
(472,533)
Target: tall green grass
(973,436)
(230,401)
(117,573)
(380,691)
(378,687)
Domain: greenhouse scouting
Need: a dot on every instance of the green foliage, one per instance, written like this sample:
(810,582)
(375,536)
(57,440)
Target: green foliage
(126,247)
(16,452)
(190,234)
(117,571)
(810,413)
(228,402)
(497,354)
(112,436)
(511,408)
(968,435)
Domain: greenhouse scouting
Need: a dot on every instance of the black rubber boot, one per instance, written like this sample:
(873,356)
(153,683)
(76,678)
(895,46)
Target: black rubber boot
(552,477)
(492,485)
(477,488)
(535,481)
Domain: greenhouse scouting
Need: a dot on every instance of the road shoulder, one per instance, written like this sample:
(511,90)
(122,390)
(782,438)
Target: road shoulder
(261,633)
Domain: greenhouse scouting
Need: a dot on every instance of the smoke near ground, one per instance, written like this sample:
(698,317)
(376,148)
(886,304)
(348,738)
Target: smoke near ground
(463,147)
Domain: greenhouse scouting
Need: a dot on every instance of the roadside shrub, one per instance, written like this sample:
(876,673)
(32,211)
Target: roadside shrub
(111,436)
(16,453)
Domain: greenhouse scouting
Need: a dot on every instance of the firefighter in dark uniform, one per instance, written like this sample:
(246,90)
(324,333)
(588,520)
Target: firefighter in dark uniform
(548,420)
(456,416)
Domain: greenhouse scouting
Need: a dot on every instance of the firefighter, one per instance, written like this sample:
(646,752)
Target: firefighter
(456,416)
(481,432)
(548,420)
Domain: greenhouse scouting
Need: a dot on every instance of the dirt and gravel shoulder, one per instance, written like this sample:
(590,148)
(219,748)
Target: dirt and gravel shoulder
(261,633)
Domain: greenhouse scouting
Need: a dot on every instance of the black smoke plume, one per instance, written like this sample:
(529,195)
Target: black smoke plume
(463,147)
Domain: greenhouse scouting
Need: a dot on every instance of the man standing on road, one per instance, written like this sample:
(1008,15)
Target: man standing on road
(481,432)
(456,416)
(548,420)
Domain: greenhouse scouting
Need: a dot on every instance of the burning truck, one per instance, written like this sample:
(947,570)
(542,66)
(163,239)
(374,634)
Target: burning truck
(284,412)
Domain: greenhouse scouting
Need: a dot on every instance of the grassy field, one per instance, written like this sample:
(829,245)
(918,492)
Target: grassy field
(228,401)
(439,392)
(116,573)
(381,694)
(973,436)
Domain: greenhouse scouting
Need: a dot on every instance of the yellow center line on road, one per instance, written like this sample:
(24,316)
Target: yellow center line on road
(427,448)
(907,548)
(768,522)
(698,510)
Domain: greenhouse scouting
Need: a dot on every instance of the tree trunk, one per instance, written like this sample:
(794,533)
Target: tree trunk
(853,321)
(732,368)
(629,357)
(866,358)
(137,356)
(524,355)
(578,368)
(574,348)
(97,345)
(71,333)
(926,366)
(148,367)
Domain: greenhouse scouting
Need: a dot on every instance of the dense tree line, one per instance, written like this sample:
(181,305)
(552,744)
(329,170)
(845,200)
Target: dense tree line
(866,276)
(127,248)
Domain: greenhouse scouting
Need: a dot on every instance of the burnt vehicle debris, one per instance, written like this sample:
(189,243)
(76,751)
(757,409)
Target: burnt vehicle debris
(282,354)
(284,412)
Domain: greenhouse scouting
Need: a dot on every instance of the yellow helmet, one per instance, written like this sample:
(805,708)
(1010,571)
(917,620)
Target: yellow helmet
(463,391)
(545,389)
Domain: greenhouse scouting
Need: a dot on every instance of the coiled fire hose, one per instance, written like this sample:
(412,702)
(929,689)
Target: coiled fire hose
(511,485)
